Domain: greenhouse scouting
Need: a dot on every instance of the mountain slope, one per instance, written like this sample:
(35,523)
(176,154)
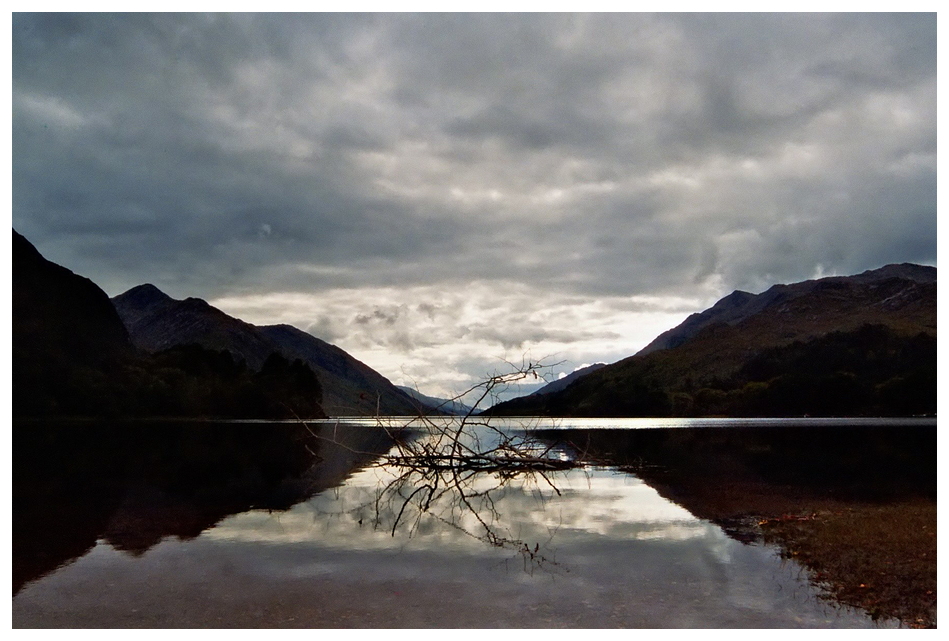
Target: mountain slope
(740,306)
(350,388)
(72,356)
(562,383)
(65,335)
(156,321)
(835,346)
(447,406)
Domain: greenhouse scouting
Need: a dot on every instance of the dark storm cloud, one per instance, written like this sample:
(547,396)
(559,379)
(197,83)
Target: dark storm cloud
(141,128)
(594,156)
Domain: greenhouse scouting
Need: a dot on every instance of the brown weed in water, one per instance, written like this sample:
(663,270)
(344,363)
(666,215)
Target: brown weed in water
(878,557)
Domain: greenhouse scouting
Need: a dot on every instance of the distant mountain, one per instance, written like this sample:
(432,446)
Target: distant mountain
(447,406)
(156,321)
(561,383)
(72,356)
(858,345)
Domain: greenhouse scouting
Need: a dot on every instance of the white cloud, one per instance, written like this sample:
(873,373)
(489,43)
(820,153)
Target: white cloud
(446,340)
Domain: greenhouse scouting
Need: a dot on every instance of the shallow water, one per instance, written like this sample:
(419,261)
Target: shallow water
(584,547)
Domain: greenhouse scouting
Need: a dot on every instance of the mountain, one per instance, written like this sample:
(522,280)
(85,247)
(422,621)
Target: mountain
(857,345)
(66,334)
(73,356)
(561,383)
(351,388)
(740,306)
(447,406)
(155,321)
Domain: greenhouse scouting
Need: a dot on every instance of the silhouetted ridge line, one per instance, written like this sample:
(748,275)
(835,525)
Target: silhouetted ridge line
(156,321)
(861,345)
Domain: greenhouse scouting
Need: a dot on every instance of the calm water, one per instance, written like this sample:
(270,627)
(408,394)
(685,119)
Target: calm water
(250,524)
(536,423)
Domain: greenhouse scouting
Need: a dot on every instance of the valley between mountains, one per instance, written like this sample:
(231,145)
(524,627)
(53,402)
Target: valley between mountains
(862,345)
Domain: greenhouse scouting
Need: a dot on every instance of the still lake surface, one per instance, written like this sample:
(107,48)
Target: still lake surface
(255,524)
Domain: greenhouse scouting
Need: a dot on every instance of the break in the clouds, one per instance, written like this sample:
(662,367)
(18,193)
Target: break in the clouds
(436,193)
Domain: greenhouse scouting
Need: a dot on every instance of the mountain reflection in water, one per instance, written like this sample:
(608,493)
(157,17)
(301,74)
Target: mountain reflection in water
(133,484)
(264,525)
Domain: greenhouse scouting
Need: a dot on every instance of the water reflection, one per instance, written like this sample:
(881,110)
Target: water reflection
(591,501)
(133,485)
(284,526)
(751,468)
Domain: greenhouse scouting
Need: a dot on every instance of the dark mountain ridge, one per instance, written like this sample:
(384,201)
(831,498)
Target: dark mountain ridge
(69,312)
(739,305)
(156,321)
(73,357)
(64,329)
(861,345)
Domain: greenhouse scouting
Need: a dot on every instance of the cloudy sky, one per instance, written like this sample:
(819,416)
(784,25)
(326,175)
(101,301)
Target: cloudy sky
(438,193)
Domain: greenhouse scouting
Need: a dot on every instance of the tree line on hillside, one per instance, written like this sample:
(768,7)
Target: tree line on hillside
(184,381)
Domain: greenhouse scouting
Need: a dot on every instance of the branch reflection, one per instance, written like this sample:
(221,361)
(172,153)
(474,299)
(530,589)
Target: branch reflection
(455,472)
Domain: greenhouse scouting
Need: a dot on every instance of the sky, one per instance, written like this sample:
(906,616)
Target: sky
(443,194)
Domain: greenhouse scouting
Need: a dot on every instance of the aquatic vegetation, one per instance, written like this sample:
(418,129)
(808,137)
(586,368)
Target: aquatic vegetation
(878,557)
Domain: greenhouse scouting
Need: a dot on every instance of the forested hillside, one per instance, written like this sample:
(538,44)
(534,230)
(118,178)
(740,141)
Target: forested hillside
(857,346)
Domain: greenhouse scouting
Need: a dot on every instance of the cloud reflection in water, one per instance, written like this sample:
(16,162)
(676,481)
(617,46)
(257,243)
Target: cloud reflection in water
(592,502)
